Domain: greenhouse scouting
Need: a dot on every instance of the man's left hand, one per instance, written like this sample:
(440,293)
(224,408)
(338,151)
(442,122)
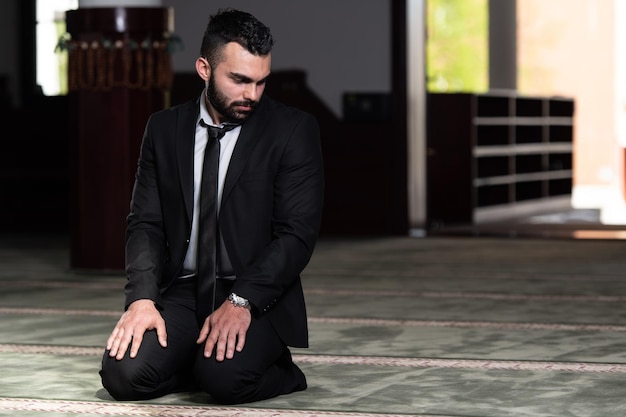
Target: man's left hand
(225,330)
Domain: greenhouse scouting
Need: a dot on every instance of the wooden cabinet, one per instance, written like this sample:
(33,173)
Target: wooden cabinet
(493,156)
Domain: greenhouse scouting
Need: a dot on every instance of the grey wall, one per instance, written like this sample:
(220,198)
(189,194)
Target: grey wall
(344,45)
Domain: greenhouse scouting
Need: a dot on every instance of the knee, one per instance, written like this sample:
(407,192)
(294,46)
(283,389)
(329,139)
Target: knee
(116,381)
(225,389)
(125,382)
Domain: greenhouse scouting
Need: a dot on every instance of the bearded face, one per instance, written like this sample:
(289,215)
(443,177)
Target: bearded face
(233,111)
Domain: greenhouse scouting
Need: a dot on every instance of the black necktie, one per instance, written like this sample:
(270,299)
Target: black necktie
(207,237)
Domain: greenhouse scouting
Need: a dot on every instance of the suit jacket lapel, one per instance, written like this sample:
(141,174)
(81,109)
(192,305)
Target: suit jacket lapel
(251,131)
(185,140)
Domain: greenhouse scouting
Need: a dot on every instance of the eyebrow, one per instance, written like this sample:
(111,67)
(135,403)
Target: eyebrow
(246,79)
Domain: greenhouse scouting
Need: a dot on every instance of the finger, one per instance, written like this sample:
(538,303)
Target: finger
(231,344)
(115,342)
(161,333)
(241,340)
(112,338)
(136,342)
(220,350)
(204,332)
(210,345)
(124,341)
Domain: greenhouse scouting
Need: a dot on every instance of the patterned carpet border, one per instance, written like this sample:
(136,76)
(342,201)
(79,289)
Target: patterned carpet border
(468,324)
(504,365)
(134,409)
(427,271)
(358,321)
(359,292)
(469,295)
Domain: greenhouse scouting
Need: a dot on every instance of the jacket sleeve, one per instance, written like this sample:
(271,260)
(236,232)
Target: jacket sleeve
(145,240)
(297,190)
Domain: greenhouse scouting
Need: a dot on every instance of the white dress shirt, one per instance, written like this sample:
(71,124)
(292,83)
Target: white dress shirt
(227,146)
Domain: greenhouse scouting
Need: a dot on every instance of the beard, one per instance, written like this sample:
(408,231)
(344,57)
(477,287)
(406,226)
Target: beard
(228,110)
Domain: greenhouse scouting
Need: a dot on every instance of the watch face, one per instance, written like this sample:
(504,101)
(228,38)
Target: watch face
(237,300)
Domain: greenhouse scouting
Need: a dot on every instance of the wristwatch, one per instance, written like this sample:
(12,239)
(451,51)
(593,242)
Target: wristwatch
(238,301)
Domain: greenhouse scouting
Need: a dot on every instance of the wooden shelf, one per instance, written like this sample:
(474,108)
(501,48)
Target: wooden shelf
(497,156)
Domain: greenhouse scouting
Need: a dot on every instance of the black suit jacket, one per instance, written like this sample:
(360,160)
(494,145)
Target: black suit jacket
(269,217)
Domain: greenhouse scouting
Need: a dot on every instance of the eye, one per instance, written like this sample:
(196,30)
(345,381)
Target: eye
(240,79)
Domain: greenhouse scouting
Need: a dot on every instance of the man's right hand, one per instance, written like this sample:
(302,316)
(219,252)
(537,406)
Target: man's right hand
(141,316)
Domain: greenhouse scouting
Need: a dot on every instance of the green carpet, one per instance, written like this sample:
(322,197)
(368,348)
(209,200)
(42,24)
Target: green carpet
(445,326)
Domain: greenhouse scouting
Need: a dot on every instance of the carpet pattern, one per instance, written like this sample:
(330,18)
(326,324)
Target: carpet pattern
(438,326)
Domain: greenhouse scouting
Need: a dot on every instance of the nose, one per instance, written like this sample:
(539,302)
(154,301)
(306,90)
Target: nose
(252,92)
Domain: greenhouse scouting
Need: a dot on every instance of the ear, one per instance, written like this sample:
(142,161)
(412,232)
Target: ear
(203,68)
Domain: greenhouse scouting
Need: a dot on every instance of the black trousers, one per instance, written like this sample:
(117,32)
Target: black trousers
(263,369)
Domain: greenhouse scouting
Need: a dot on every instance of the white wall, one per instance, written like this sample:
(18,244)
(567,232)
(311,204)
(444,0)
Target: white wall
(343,45)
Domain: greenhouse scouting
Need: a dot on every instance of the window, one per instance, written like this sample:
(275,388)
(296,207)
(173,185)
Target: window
(457,45)
(52,64)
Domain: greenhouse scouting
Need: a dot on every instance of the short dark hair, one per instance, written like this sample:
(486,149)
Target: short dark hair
(230,25)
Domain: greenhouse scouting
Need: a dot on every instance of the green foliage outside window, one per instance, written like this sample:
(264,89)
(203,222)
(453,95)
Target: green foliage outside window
(457,45)
(62,57)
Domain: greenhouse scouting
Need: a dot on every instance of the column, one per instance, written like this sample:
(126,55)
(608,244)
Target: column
(119,72)
(503,45)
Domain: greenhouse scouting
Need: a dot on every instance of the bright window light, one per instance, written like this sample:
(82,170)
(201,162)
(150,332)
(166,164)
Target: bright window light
(52,65)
